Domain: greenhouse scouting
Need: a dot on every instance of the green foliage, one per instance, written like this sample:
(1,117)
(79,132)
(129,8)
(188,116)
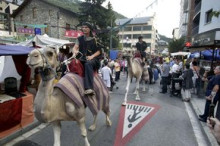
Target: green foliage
(102,18)
(176,45)
(216,13)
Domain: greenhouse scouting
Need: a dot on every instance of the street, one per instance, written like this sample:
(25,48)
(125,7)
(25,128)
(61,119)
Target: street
(169,126)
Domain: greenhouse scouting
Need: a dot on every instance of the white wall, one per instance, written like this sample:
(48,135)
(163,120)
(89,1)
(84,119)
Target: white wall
(206,6)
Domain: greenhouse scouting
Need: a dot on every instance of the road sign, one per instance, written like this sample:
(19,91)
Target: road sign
(132,118)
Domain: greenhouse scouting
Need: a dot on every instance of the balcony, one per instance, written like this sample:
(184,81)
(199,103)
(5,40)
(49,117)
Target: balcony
(197,8)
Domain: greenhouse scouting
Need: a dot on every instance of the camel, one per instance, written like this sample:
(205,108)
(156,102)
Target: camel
(51,104)
(135,69)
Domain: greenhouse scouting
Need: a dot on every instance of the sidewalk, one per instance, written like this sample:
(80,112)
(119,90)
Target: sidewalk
(20,132)
(198,105)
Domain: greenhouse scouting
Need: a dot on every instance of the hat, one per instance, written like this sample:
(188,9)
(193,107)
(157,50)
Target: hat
(89,25)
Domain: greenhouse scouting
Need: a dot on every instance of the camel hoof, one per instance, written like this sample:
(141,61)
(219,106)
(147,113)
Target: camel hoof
(109,123)
(92,128)
(124,103)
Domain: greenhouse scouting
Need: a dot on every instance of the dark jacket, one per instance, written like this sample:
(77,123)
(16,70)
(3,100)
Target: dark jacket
(187,79)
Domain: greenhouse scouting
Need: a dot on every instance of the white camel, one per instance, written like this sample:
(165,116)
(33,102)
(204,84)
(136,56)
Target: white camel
(135,69)
(51,104)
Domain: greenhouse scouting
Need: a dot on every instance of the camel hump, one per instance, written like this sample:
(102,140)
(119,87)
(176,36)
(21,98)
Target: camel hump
(138,60)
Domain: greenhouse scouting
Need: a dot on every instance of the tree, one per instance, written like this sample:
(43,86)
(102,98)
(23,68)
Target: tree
(103,18)
(176,45)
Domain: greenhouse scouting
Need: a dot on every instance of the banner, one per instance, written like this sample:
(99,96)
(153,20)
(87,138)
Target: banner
(26,30)
(73,33)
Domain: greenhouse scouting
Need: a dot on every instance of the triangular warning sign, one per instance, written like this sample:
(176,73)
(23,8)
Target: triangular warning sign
(132,118)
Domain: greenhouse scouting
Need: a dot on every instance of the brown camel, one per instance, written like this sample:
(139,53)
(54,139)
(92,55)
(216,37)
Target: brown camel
(137,70)
(51,104)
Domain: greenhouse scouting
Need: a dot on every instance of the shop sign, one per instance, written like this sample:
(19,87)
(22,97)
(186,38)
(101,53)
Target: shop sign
(26,30)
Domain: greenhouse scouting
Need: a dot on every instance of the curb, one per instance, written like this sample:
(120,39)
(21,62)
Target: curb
(212,140)
(19,132)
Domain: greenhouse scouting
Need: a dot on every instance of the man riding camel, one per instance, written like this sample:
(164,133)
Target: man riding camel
(141,47)
(86,44)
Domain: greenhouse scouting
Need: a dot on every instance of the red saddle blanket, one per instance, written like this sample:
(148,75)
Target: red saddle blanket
(72,85)
(76,67)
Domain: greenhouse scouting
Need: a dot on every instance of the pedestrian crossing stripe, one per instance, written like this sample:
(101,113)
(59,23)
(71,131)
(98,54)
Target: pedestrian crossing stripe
(132,118)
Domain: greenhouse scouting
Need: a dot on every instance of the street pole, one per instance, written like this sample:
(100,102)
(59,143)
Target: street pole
(111,36)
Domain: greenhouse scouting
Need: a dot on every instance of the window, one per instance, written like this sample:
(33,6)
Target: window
(127,36)
(127,29)
(21,18)
(149,27)
(34,12)
(135,36)
(208,16)
(146,36)
(137,28)
(67,26)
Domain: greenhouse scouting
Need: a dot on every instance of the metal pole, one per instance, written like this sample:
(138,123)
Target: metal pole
(111,36)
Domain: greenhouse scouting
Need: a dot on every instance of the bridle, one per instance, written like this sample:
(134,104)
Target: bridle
(47,69)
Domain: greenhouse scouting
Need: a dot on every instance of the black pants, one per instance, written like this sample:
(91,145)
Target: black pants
(117,75)
(164,84)
(207,104)
(89,67)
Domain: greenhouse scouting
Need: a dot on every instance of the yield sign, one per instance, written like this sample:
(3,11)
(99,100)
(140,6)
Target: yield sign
(132,118)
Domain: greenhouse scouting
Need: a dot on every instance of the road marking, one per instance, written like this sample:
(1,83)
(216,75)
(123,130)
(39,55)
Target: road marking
(132,118)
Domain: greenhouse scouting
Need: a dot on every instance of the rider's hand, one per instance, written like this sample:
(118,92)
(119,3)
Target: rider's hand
(89,57)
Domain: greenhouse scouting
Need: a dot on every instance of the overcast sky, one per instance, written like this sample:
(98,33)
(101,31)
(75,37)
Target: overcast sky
(167,12)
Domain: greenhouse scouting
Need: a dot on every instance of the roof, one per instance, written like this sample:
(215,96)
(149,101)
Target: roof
(65,5)
(14,50)
(139,20)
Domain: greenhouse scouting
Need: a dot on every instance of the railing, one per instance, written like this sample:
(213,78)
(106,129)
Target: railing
(195,30)
(197,8)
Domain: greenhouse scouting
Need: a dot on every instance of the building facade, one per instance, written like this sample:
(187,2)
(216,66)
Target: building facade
(142,26)
(184,17)
(6,24)
(206,28)
(44,18)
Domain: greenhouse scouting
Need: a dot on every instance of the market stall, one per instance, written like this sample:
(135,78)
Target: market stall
(16,110)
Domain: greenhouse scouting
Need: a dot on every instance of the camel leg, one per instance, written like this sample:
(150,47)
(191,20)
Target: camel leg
(82,127)
(127,88)
(144,86)
(108,121)
(93,126)
(137,89)
(56,131)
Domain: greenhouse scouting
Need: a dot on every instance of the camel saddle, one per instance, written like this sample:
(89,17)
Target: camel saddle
(72,85)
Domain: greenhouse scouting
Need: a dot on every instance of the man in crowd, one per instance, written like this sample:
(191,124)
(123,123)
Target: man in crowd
(165,76)
(212,93)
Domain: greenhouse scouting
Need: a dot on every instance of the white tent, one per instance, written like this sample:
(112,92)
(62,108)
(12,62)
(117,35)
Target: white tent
(7,68)
(180,53)
(45,40)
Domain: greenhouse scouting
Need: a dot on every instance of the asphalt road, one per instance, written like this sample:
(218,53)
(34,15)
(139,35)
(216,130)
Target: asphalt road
(169,126)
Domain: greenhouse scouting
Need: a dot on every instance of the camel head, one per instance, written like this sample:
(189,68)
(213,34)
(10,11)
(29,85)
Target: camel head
(42,58)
